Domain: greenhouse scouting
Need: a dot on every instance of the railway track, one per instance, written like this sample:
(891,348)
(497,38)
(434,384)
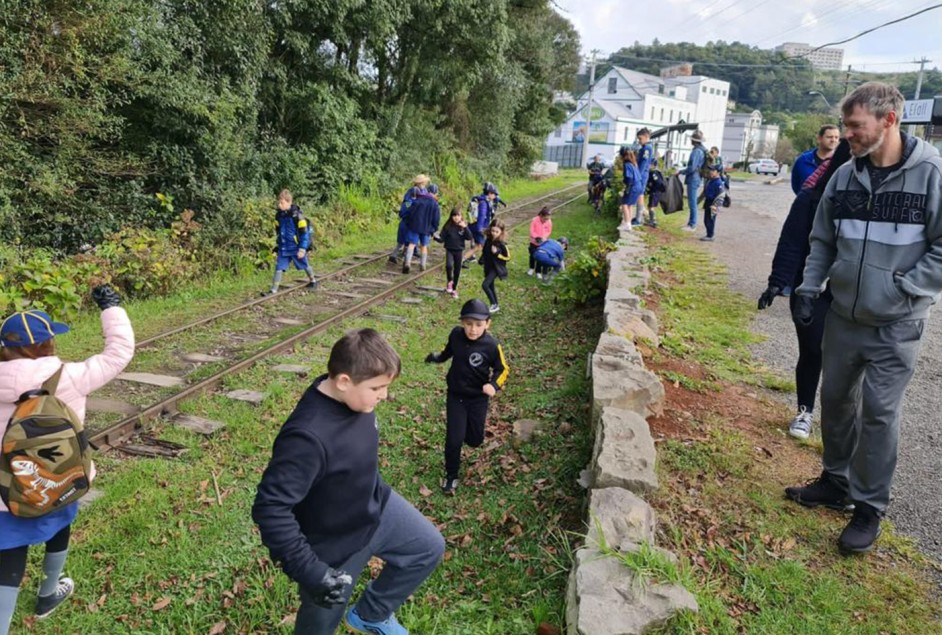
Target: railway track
(343,294)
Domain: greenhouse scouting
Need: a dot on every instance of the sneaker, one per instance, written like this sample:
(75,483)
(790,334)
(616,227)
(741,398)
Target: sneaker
(494,308)
(635,222)
(449,287)
(708,239)
(862,530)
(265,294)
(529,272)
(449,485)
(46,604)
(312,285)
(389,626)
(422,266)
(820,491)
(405,268)
(539,276)
(393,260)
(454,293)
(689,228)
(651,223)
(802,424)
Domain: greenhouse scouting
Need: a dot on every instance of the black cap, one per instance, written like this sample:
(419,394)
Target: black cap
(476,310)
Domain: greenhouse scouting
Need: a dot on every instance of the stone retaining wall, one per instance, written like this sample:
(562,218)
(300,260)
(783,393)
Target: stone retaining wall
(604,596)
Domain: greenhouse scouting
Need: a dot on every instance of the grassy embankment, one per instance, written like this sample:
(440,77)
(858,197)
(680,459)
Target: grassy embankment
(759,564)
(164,552)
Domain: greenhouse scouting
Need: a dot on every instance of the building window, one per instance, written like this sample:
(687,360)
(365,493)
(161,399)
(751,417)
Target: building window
(704,89)
(626,133)
(558,133)
(652,113)
(660,89)
(612,85)
(724,93)
(662,114)
(712,91)
(629,106)
(671,120)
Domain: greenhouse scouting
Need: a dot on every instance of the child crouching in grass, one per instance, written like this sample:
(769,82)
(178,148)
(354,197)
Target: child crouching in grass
(323,509)
(477,372)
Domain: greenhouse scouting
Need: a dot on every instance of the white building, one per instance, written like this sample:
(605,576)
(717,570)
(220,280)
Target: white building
(748,138)
(829,59)
(624,101)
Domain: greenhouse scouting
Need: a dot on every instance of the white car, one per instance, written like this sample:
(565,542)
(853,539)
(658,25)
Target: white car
(764,166)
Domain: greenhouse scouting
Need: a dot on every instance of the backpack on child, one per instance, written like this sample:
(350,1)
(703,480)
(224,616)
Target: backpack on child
(472,213)
(45,463)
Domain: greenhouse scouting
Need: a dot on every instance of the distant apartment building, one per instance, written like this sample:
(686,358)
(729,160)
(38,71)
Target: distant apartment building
(828,59)
(624,101)
(746,138)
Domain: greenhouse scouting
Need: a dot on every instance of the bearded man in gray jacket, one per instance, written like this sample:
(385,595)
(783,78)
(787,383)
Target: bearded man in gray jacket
(878,237)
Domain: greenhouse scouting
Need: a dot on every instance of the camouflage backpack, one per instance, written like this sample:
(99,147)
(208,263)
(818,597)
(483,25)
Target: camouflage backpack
(45,462)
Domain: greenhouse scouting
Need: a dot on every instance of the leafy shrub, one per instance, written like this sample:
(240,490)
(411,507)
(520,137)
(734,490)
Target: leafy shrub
(145,262)
(586,276)
(40,282)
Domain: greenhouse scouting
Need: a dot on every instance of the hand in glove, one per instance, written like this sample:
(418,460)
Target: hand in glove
(331,589)
(803,311)
(765,300)
(105,297)
(431,358)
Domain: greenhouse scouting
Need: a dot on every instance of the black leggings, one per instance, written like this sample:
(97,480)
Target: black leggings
(453,266)
(13,561)
(488,286)
(466,417)
(808,367)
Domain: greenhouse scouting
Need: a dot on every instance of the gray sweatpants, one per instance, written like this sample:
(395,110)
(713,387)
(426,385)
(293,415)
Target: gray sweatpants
(865,370)
(410,546)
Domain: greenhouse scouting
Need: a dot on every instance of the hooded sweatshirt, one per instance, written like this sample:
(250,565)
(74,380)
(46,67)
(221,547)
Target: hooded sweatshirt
(78,378)
(882,248)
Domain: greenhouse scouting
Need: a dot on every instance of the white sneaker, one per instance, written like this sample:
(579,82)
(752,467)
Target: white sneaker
(494,308)
(529,272)
(689,228)
(802,424)
(539,276)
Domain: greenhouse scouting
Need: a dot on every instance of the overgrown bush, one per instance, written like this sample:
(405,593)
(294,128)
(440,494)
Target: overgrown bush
(145,262)
(40,282)
(586,276)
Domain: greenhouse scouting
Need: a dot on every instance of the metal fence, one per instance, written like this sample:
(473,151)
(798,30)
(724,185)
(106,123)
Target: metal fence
(567,156)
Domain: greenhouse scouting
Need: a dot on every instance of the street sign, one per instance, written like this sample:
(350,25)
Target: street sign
(917,111)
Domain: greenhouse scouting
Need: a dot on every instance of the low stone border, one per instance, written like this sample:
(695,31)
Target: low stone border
(604,596)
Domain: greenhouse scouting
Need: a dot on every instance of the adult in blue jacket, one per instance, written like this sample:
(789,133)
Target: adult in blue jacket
(692,176)
(423,220)
(807,162)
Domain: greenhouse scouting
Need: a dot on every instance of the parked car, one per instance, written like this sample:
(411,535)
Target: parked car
(764,166)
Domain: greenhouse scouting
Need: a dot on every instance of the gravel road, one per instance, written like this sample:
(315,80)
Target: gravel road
(746,236)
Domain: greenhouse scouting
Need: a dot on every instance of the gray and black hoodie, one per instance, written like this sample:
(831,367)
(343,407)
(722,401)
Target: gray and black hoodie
(882,250)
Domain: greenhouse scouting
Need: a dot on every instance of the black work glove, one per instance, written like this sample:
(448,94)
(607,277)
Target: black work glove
(330,591)
(765,300)
(803,311)
(431,358)
(105,297)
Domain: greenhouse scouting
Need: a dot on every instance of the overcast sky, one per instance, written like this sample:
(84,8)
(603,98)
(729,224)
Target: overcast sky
(610,24)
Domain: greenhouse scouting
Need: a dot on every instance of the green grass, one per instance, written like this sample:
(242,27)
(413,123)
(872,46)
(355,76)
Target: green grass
(757,563)
(159,554)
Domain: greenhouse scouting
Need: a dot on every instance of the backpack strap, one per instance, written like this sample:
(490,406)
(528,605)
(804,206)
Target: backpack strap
(51,384)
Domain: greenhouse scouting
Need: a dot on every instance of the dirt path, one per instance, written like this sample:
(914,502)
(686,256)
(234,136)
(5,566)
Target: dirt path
(746,236)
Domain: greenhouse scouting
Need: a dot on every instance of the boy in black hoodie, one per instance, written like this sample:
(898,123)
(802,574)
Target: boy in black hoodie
(322,508)
(477,372)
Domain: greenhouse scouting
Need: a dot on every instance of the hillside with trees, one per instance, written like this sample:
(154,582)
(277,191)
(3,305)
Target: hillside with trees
(107,103)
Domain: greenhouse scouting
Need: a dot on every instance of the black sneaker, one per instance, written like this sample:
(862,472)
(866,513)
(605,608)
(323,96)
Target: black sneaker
(820,491)
(46,604)
(449,485)
(265,294)
(393,260)
(312,285)
(467,263)
(405,268)
(862,530)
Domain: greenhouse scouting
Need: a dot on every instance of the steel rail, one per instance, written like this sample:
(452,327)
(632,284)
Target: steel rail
(118,432)
(327,276)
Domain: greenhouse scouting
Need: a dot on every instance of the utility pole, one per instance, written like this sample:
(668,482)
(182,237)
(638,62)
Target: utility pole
(846,80)
(588,109)
(922,65)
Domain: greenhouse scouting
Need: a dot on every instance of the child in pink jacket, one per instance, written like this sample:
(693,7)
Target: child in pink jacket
(27,359)
(540,229)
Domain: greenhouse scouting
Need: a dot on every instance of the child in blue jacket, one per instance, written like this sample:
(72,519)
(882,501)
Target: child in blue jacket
(634,187)
(713,195)
(292,241)
(551,255)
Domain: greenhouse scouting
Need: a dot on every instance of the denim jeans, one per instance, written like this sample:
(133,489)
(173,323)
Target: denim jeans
(410,546)
(693,187)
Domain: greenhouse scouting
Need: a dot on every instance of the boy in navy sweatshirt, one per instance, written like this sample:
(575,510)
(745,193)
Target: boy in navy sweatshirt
(477,372)
(322,508)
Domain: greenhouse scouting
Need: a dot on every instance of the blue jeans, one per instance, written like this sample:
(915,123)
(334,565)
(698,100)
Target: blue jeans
(411,548)
(693,187)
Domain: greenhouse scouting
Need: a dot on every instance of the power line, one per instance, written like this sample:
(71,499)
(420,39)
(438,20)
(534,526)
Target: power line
(819,21)
(871,30)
